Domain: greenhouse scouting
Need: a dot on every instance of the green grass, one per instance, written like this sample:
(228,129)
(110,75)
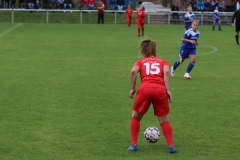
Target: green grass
(64,93)
(61,17)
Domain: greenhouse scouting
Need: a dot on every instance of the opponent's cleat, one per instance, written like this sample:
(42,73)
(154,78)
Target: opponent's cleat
(171,149)
(172,71)
(133,148)
(220,30)
(187,76)
(139,35)
(237,44)
(142,34)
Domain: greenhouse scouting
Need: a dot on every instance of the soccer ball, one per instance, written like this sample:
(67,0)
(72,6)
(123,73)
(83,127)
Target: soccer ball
(152,134)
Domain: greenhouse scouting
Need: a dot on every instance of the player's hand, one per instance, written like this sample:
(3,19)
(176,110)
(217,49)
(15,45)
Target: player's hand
(193,42)
(197,43)
(232,24)
(131,94)
(169,96)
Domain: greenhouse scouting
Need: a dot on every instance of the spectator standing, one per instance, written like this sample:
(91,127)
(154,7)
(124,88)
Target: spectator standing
(67,3)
(221,5)
(91,4)
(101,7)
(200,5)
(120,4)
(207,6)
(175,14)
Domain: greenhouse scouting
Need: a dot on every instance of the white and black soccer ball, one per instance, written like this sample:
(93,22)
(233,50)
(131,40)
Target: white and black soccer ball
(152,134)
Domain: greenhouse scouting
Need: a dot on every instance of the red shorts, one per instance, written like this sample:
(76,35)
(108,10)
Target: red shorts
(129,17)
(140,22)
(156,96)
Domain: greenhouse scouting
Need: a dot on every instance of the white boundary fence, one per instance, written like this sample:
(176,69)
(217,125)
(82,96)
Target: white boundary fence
(165,17)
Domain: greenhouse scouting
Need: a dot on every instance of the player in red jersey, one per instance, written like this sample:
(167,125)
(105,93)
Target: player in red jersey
(141,20)
(129,14)
(154,89)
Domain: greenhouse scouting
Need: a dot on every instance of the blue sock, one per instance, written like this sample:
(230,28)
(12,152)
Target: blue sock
(219,26)
(176,64)
(213,27)
(190,67)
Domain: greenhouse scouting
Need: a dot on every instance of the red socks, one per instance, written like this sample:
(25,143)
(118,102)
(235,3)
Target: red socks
(129,23)
(139,29)
(168,133)
(134,129)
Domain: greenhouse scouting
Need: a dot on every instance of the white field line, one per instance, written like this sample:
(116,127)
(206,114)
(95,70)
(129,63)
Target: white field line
(10,30)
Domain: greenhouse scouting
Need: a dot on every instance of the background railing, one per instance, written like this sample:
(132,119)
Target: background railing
(111,16)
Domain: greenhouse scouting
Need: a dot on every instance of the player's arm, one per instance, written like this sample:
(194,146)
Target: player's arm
(189,41)
(166,78)
(133,77)
(233,17)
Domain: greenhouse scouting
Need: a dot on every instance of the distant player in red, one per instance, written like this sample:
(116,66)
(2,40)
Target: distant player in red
(129,14)
(154,89)
(141,20)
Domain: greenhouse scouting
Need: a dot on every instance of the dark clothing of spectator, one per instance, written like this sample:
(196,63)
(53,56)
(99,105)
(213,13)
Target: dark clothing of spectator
(112,4)
(193,5)
(101,7)
(207,6)
(175,8)
(53,4)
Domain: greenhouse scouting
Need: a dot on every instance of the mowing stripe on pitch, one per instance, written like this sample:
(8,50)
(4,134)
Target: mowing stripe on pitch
(10,30)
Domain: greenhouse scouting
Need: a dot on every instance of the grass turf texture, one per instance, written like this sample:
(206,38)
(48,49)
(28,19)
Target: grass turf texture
(62,17)
(64,93)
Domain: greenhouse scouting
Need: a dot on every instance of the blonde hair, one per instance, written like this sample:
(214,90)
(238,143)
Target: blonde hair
(147,48)
(196,21)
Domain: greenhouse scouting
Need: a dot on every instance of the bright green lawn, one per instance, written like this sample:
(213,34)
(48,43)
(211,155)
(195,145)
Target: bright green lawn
(64,93)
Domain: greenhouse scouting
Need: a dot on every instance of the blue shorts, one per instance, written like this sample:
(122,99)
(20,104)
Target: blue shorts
(187,26)
(185,52)
(216,20)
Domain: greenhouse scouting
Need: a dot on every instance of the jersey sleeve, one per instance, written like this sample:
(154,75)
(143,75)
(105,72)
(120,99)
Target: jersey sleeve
(186,34)
(138,64)
(165,63)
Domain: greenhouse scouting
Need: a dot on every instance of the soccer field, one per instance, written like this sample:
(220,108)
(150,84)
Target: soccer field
(64,93)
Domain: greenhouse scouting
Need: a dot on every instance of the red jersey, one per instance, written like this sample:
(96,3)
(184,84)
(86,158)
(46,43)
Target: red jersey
(91,2)
(151,72)
(129,12)
(141,15)
(101,8)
